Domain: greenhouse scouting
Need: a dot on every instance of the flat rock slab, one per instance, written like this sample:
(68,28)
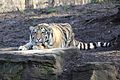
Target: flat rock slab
(57,64)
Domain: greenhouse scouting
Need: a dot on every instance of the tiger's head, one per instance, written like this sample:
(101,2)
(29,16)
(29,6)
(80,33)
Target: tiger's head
(41,34)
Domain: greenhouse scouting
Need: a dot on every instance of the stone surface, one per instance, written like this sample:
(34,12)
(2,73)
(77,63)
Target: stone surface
(53,64)
(95,71)
(27,66)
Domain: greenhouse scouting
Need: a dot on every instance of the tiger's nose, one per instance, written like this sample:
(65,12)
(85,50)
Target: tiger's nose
(39,40)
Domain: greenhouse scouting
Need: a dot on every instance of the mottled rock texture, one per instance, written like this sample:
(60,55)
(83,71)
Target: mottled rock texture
(53,64)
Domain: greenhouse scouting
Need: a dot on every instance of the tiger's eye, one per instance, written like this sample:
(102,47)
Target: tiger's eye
(46,36)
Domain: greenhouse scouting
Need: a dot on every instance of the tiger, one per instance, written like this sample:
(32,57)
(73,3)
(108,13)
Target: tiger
(56,35)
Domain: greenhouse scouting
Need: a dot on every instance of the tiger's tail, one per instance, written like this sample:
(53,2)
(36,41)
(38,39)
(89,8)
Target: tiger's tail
(91,45)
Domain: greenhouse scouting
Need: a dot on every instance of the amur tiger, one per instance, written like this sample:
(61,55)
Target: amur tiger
(56,35)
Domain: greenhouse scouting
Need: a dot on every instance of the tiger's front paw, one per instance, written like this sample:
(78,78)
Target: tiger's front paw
(35,48)
(22,48)
(38,47)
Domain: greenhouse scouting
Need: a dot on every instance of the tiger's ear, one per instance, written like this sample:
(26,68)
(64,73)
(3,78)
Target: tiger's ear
(31,28)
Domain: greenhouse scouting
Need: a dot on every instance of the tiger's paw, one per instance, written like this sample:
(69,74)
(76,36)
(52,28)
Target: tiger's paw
(22,48)
(38,47)
(35,48)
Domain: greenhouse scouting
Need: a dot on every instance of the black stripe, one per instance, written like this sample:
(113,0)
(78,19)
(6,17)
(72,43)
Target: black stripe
(101,44)
(65,35)
(80,45)
(88,46)
(95,45)
(85,46)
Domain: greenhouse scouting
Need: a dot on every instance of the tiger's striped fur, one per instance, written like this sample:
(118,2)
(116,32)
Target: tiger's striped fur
(91,45)
(56,35)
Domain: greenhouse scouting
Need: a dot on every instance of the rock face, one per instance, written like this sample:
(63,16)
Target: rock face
(52,65)
(96,71)
(22,66)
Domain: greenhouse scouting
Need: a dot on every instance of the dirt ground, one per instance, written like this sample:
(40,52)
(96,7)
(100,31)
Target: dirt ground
(92,22)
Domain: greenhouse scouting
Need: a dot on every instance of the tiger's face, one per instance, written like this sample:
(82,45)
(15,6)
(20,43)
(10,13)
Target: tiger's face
(40,34)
